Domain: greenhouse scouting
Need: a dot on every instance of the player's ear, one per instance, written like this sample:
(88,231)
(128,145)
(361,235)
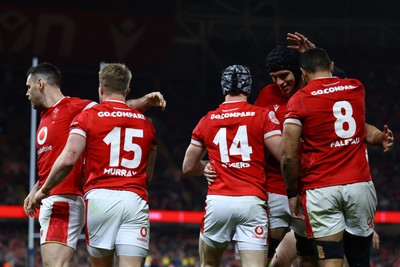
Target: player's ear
(40,84)
(127,91)
(332,66)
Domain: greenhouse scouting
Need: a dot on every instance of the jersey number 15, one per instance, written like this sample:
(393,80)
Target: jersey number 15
(113,139)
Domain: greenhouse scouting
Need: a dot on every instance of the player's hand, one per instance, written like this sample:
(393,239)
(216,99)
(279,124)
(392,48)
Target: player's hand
(299,42)
(388,139)
(29,208)
(375,241)
(294,205)
(210,173)
(156,99)
(37,199)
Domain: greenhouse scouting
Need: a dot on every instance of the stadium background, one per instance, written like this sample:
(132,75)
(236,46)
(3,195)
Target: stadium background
(180,48)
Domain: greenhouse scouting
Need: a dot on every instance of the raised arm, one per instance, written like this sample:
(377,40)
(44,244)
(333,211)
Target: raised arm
(299,42)
(153,99)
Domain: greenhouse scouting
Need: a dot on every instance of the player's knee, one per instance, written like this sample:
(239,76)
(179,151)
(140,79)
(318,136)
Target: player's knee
(304,246)
(357,250)
(273,244)
(325,250)
(99,252)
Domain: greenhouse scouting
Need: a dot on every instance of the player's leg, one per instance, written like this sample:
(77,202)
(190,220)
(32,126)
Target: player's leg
(276,235)
(133,236)
(330,250)
(61,221)
(210,253)
(253,258)
(100,257)
(279,220)
(361,201)
(131,256)
(56,255)
(305,252)
(285,253)
(326,223)
(251,233)
(358,250)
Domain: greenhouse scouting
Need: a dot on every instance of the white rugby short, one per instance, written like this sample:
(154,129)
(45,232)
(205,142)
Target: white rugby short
(280,216)
(61,219)
(243,219)
(349,207)
(116,217)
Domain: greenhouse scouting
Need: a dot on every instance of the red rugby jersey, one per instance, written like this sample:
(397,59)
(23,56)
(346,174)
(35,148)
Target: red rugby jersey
(118,143)
(331,112)
(233,135)
(52,134)
(271,97)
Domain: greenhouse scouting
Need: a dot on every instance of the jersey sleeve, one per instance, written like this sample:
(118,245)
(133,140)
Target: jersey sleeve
(197,134)
(294,110)
(80,124)
(271,124)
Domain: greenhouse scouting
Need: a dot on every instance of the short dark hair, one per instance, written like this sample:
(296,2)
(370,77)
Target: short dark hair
(315,59)
(47,71)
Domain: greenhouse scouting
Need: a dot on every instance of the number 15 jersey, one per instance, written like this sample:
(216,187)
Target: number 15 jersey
(234,137)
(331,112)
(118,143)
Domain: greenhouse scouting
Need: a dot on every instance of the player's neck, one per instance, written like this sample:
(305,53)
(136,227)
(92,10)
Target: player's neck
(231,98)
(52,96)
(115,97)
(319,75)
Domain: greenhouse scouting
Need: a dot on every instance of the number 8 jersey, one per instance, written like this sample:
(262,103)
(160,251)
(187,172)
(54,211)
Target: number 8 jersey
(118,143)
(234,137)
(331,112)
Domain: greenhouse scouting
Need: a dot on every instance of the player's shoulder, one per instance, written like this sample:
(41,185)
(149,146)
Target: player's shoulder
(269,89)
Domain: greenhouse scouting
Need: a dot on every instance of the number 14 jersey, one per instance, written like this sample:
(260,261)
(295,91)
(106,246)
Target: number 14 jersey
(234,137)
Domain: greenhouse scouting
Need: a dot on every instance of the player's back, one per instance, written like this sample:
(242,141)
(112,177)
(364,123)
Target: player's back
(234,137)
(52,134)
(119,140)
(332,114)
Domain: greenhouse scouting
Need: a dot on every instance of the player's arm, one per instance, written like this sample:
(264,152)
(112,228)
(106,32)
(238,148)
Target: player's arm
(62,166)
(289,160)
(299,42)
(290,166)
(274,146)
(210,173)
(193,165)
(29,208)
(153,99)
(151,161)
(374,136)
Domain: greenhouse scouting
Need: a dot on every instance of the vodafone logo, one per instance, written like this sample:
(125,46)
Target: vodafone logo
(259,230)
(143,231)
(42,136)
